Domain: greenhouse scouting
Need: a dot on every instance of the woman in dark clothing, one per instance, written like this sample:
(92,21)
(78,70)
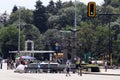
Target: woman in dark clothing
(80,70)
(68,68)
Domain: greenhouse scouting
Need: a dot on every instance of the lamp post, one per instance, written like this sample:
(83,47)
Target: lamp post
(64,43)
(19,33)
(74,31)
(75,23)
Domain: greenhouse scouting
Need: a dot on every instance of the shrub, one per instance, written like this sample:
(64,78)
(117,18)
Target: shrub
(93,68)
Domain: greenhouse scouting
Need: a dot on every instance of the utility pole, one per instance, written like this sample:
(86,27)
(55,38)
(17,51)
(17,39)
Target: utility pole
(19,32)
(74,31)
(75,23)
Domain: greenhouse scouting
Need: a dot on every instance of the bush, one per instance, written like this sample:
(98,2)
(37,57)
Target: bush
(92,68)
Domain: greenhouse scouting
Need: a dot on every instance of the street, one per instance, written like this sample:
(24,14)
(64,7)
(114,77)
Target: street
(11,75)
(5,75)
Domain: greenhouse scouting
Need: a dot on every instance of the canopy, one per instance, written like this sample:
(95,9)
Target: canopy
(26,57)
(32,51)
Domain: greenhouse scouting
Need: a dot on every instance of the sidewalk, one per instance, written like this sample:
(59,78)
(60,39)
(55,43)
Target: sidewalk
(112,72)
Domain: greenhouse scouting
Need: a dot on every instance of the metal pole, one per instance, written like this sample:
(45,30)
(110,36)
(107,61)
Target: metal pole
(19,33)
(75,34)
(75,23)
(110,43)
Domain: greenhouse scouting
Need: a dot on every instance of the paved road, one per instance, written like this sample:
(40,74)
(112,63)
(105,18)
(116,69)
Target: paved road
(10,75)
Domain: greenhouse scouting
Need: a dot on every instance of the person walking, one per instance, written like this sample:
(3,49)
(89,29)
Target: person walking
(106,65)
(0,64)
(68,68)
(38,67)
(80,70)
(79,67)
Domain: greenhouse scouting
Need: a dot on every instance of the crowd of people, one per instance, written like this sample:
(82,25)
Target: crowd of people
(11,64)
(14,64)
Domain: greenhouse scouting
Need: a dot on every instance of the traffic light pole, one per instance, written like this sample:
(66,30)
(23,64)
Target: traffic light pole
(110,39)
(75,34)
(92,13)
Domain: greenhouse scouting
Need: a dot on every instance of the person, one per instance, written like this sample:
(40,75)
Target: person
(79,67)
(0,64)
(17,62)
(12,64)
(8,64)
(38,67)
(68,68)
(49,67)
(80,70)
(23,62)
(105,64)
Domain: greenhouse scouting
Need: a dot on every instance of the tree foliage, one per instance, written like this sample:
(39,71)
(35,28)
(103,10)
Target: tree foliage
(32,33)
(51,36)
(39,17)
(14,9)
(26,16)
(9,40)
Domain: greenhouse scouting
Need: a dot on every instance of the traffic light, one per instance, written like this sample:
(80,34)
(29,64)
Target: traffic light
(91,9)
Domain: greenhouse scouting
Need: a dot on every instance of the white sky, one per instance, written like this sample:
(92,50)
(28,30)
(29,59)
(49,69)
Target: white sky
(7,5)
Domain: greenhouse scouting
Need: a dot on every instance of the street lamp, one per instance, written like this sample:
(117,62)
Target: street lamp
(74,31)
(19,33)
(64,42)
(75,23)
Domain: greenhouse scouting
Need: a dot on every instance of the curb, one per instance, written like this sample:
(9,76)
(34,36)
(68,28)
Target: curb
(92,73)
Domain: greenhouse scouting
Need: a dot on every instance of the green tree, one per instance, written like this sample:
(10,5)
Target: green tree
(39,17)
(68,4)
(51,8)
(64,17)
(4,18)
(115,3)
(1,25)
(86,38)
(9,40)
(102,44)
(51,36)
(106,2)
(59,4)
(14,9)
(32,33)
(116,51)
(82,10)
(26,16)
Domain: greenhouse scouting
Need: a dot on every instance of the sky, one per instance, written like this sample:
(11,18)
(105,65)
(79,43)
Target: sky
(7,5)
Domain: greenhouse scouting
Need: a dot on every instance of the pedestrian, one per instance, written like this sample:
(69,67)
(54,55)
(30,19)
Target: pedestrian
(8,64)
(38,67)
(79,67)
(106,65)
(49,67)
(68,68)
(80,70)
(0,64)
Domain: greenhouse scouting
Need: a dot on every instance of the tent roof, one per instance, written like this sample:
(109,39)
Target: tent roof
(32,51)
